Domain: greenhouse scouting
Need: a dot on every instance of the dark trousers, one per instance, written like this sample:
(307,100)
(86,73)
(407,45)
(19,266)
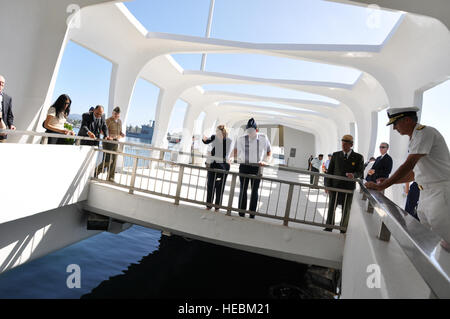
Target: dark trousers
(109,160)
(343,199)
(216,183)
(250,170)
(412,199)
(312,177)
(54,140)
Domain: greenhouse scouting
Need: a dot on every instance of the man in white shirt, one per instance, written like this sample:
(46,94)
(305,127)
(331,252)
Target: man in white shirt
(428,163)
(251,150)
(316,163)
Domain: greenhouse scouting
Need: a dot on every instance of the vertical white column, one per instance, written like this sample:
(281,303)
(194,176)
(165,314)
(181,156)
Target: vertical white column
(166,102)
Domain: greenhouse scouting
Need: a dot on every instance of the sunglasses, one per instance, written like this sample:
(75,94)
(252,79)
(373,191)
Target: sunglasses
(383,146)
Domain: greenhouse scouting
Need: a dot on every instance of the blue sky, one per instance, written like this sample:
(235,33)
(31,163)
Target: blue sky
(86,77)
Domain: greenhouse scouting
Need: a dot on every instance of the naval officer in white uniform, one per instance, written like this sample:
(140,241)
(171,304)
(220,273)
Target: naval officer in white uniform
(428,163)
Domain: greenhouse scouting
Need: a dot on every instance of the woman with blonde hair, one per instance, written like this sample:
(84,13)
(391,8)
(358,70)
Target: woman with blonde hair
(219,159)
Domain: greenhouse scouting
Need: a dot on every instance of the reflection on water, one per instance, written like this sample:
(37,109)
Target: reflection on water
(99,258)
(183,269)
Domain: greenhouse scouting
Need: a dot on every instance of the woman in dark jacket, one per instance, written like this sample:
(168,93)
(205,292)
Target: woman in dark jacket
(219,159)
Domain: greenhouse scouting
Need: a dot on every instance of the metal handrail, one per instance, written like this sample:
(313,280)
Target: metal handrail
(182,166)
(417,241)
(165,150)
(216,170)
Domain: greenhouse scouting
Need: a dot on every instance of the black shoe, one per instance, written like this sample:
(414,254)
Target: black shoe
(242,214)
(252,216)
(343,231)
(327,229)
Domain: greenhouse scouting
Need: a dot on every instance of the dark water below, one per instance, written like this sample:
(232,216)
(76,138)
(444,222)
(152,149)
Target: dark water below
(99,258)
(183,268)
(140,263)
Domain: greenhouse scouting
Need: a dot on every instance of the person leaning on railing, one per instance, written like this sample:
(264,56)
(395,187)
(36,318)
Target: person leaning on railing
(219,159)
(428,163)
(56,118)
(114,125)
(346,163)
(92,125)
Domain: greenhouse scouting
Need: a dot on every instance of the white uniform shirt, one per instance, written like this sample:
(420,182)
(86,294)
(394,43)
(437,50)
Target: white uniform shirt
(435,165)
(316,163)
(259,143)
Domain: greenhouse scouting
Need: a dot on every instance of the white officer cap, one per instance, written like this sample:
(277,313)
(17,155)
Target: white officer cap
(395,114)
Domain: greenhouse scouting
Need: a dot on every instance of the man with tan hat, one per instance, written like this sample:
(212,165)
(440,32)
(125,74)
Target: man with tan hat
(428,163)
(343,163)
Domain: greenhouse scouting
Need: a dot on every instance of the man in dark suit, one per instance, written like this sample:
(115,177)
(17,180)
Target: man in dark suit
(382,166)
(6,108)
(92,125)
(344,163)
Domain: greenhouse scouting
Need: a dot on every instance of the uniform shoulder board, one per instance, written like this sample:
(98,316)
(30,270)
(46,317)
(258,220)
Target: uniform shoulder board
(420,127)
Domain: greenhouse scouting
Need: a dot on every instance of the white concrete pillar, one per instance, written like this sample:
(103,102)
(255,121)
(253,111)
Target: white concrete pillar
(123,80)
(373,135)
(209,121)
(166,102)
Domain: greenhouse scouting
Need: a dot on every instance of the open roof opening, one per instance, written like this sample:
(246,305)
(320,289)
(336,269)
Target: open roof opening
(267,105)
(280,21)
(267,91)
(270,67)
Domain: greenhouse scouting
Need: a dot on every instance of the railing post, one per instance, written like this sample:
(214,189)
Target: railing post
(230,199)
(288,204)
(77,142)
(384,233)
(133,175)
(179,185)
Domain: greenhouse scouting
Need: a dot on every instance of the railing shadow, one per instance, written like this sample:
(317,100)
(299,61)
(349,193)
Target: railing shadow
(82,171)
